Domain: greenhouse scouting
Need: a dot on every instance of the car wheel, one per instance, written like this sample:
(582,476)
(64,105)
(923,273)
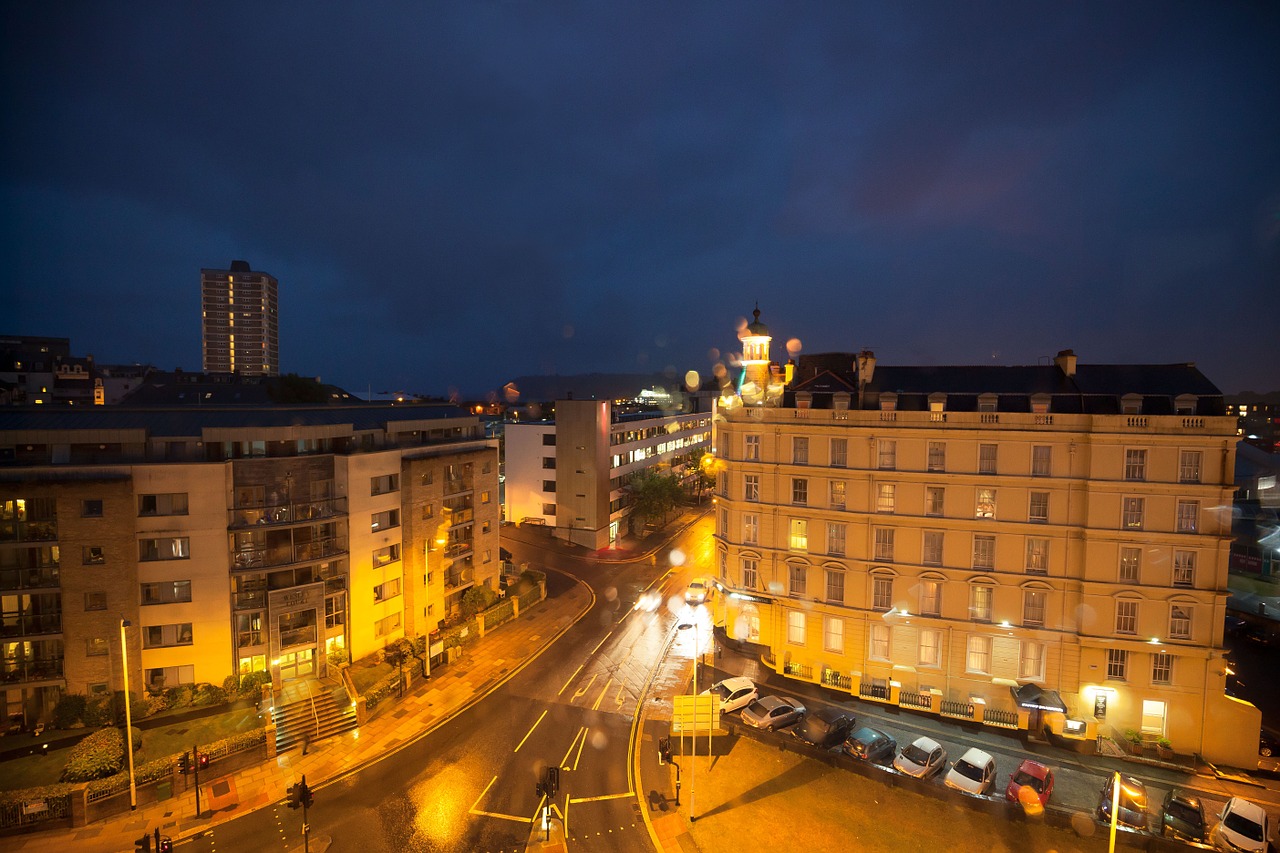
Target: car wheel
(1265,751)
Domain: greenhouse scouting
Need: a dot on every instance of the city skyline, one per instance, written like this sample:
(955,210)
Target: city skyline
(456,197)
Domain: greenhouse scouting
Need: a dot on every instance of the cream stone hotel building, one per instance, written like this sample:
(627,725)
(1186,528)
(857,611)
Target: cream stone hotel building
(1041,548)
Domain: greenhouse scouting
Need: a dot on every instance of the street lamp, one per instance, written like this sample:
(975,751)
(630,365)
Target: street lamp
(693,758)
(128,714)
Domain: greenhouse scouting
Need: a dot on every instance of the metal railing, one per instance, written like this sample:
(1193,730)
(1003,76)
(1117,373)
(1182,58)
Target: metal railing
(996,717)
(919,701)
(803,670)
(961,710)
(874,691)
(831,678)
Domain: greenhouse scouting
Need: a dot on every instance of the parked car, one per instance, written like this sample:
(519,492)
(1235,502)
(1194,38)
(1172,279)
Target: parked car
(1244,827)
(870,744)
(1234,626)
(735,693)
(922,758)
(773,712)
(1182,816)
(826,728)
(1133,803)
(1269,750)
(973,773)
(1035,777)
(696,592)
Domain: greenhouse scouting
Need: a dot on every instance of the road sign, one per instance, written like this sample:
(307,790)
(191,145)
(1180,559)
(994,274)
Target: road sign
(695,714)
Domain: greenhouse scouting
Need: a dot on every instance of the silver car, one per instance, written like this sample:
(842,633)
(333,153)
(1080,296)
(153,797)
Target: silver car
(773,712)
(922,758)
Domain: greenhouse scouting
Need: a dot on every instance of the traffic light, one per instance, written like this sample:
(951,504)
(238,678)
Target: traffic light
(202,758)
(143,844)
(553,781)
(664,750)
(295,795)
(307,799)
(184,763)
(166,845)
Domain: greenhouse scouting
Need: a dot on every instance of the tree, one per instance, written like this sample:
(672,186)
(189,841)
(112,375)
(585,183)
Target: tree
(477,600)
(708,466)
(653,495)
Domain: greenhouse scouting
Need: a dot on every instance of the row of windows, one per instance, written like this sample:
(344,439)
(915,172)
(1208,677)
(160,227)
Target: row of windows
(983,554)
(886,457)
(981,596)
(1132,514)
(978,650)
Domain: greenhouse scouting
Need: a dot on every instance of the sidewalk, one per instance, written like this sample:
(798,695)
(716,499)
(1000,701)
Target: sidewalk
(485,665)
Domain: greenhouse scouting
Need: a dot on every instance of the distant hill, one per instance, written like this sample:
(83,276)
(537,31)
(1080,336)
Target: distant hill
(586,386)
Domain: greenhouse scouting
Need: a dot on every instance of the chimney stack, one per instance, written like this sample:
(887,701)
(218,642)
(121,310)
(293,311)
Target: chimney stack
(1066,361)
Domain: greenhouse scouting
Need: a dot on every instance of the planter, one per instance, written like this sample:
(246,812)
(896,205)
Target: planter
(1165,752)
(1135,747)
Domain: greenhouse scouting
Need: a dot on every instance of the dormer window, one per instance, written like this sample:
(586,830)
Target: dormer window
(888,401)
(1040,404)
(987,402)
(1131,404)
(1185,404)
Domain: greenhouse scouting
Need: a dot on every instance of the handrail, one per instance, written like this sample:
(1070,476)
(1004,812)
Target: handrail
(314,714)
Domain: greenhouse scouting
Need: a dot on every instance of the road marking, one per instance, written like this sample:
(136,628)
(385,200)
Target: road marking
(526,737)
(596,707)
(571,678)
(582,733)
(500,816)
(482,793)
(579,694)
(601,643)
(580,746)
(602,797)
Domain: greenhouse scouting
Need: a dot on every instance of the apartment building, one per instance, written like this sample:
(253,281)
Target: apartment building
(1040,548)
(239,321)
(231,540)
(570,472)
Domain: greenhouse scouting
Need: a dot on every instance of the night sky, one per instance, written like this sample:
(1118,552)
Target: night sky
(454,194)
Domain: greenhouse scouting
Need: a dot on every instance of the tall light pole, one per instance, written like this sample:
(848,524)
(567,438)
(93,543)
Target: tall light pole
(128,715)
(693,759)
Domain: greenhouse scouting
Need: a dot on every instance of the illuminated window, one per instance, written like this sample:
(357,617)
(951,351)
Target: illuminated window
(933,500)
(1180,621)
(799,534)
(1184,568)
(985,505)
(1132,513)
(1130,562)
(930,651)
(878,642)
(886,497)
(1188,516)
(1126,617)
(837,494)
(978,654)
(980,595)
(795,627)
(833,635)
(1135,464)
(1037,556)
(1031,661)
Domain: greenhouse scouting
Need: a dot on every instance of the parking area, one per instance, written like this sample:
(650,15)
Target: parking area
(1078,779)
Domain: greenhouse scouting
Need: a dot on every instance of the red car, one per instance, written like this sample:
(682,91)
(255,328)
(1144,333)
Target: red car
(1035,778)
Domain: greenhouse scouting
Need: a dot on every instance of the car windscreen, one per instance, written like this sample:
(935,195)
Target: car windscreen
(915,755)
(1035,783)
(815,728)
(722,690)
(1184,813)
(1240,824)
(969,771)
(758,708)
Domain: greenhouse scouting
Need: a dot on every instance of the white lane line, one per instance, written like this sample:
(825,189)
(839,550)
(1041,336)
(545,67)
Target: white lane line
(526,737)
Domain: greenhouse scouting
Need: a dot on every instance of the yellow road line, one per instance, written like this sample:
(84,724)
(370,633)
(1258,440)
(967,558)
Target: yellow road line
(602,797)
(596,707)
(526,737)
(580,693)
(601,643)
(564,818)
(482,793)
(500,816)
(580,746)
(571,678)
(582,733)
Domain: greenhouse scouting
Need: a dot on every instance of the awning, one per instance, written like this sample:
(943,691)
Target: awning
(1033,697)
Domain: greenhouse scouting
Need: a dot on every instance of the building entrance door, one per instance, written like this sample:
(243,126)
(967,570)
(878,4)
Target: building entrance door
(297,664)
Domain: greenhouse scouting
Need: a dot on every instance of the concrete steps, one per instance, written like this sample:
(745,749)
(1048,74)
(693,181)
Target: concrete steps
(296,717)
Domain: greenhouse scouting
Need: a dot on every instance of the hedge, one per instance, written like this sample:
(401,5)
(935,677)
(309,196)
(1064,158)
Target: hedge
(98,755)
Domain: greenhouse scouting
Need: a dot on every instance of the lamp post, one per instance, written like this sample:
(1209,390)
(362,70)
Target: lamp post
(128,714)
(693,758)
(1115,810)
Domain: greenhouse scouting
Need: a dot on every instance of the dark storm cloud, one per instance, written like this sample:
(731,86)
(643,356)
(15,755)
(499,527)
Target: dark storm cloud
(452,195)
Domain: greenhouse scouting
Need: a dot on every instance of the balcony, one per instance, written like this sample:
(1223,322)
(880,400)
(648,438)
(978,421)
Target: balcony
(30,669)
(457,549)
(11,579)
(305,635)
(31,625)
(28,531)
(457,581)
(256,600)
(274,557)
(456,485)
(256,515)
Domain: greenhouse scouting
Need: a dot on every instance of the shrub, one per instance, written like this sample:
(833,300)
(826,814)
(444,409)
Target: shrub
(99,755)
(179,697)
(208,694)
(477,599)
(98,710)
(231,685)
(156,703)
(69,710)
(338,657)
(251,684)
